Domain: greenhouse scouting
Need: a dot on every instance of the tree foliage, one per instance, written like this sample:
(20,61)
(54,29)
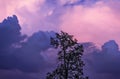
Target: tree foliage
(70,65)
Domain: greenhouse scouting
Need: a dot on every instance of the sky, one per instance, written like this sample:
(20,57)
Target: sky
(26,27)
(67,15)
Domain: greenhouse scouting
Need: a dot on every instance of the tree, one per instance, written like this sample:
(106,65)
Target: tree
(70,64)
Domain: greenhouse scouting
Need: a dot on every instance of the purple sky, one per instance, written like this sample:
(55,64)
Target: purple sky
(94,22)
(86,20)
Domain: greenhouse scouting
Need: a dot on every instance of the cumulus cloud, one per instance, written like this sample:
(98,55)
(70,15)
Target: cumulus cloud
(46,17)
(9,7)
(34,54)
(19,53)
(104,63)
(29,57)
(95,20)
(34,15)
(98,22)
(82,17)
(37,14)
(22,8)
(9,33)
(10,38)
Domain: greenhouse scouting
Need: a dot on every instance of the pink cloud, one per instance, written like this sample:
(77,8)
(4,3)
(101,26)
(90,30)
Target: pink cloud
(24,9)
(97,23)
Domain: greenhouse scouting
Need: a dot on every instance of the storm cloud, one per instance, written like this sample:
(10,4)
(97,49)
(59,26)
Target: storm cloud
(19,52)
(30,57)
(56,15)
(33,56)
(104,63)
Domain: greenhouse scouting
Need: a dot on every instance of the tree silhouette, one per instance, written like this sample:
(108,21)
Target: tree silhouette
(70,65)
